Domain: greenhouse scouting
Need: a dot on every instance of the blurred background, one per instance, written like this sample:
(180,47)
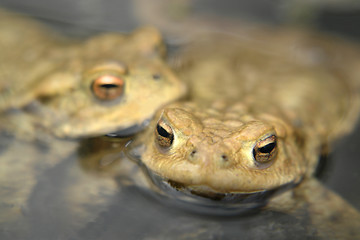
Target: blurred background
(340,17)
(87,17)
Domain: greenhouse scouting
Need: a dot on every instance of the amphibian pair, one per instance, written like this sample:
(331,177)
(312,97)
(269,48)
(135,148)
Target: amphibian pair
(257,119)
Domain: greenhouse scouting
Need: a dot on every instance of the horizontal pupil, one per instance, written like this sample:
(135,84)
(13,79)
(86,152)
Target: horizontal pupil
(109,86)
(162,132)
(267,148)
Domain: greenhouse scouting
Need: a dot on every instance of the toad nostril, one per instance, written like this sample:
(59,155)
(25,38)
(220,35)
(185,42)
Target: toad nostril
(224,158)
(193,156)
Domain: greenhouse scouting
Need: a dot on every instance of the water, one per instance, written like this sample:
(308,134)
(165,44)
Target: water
(92,192)
(57,189)
(71,199)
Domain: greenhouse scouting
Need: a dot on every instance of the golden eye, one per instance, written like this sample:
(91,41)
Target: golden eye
(265,150)
(164,135)
(107,87)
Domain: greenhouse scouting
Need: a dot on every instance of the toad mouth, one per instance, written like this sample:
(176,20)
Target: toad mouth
(203,198)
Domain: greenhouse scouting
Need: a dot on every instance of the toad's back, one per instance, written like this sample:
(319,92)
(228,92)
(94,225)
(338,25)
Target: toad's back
(302,91)
(22,43)
(257,119)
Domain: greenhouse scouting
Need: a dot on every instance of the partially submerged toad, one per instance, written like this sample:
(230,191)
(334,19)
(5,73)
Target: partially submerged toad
(255,126)
(257,120)
(107,83)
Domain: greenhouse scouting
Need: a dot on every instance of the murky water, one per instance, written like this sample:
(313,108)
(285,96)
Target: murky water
(76,196)
(62,189)
(92,192)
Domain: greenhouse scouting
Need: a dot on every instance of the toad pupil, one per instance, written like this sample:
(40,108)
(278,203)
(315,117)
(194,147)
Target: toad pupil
(108,87)
(267,148)
(162,132)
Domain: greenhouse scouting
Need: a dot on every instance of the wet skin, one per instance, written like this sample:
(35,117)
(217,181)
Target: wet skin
(77,88)
(256,122)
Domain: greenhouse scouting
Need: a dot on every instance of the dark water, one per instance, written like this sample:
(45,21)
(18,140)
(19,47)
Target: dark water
(78,197)
(70,195)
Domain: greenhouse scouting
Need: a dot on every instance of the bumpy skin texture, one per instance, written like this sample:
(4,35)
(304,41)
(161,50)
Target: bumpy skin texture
(213,147)
(240,96)
(55,77)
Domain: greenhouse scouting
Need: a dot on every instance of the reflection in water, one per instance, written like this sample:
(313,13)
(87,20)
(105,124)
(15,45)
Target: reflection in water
(101,156)
(57,189)
(77,190)
(90,190)
(22,163)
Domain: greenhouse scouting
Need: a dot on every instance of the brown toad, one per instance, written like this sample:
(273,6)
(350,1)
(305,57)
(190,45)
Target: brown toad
(74,88)
(242,100)
(256,123)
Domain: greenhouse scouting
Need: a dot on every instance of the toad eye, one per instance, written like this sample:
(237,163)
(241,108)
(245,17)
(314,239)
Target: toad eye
(265,150)
(164,135)
(107,87)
